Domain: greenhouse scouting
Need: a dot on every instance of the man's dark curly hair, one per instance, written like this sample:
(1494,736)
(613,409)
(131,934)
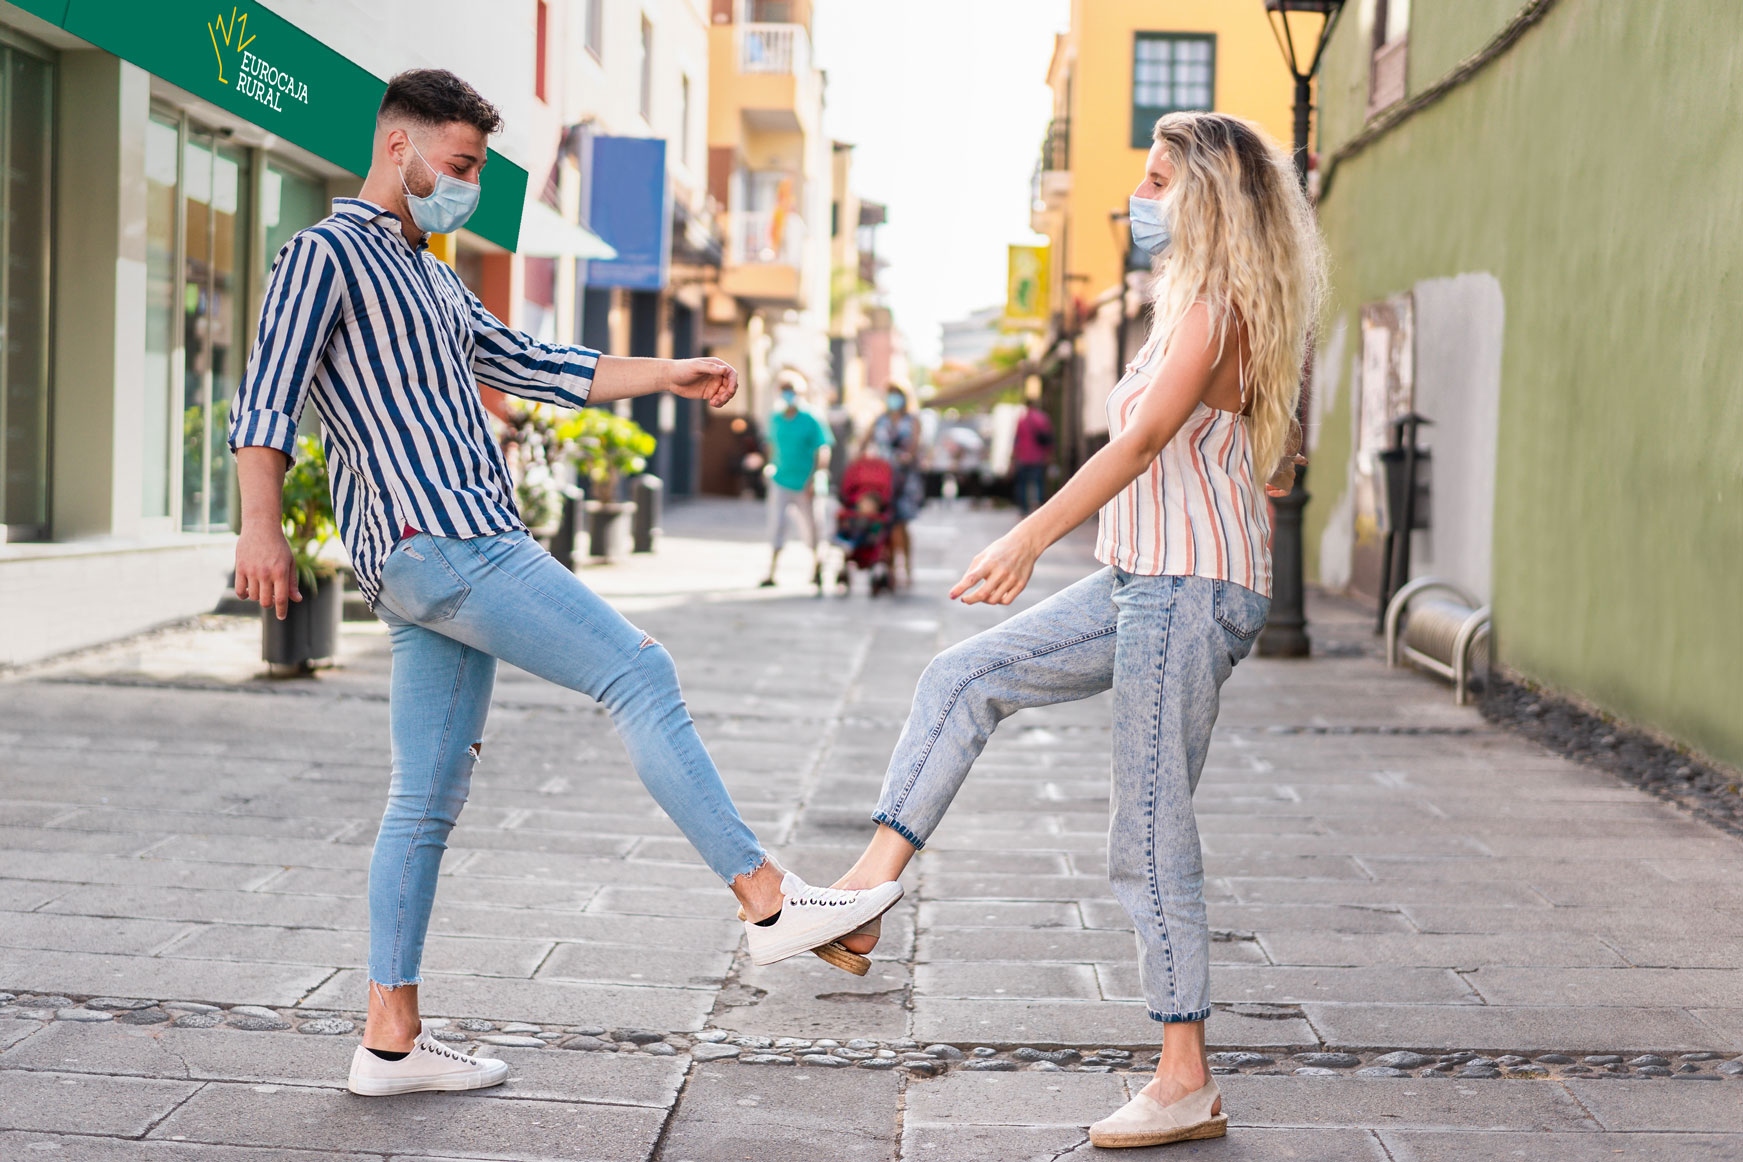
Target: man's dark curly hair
(437,97)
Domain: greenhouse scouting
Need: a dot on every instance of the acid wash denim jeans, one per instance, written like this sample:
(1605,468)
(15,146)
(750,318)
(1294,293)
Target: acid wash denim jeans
(1165,645)
(454,607)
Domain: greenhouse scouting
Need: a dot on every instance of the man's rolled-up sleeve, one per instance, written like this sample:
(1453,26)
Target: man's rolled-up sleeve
(518,364)
(296,321)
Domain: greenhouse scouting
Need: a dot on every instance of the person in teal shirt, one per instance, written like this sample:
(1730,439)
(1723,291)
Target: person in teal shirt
(799,446)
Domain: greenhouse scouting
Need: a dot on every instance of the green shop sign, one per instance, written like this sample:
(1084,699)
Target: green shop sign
(247,59)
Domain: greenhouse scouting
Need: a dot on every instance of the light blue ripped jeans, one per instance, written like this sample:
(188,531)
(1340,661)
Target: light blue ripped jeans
(1165,645)
(453,608)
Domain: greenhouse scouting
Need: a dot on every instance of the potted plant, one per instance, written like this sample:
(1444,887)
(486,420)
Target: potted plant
(310,629)
(606,448)
(535,454)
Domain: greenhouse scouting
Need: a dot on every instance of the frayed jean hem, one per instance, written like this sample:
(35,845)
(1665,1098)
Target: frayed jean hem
(408,983)
(1179,1018)
(757,863)
(899,829)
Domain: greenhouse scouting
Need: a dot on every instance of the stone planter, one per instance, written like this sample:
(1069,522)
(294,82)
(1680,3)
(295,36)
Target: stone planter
(608,528)
(309,631)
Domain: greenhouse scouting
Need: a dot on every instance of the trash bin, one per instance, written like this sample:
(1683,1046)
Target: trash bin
(647,494)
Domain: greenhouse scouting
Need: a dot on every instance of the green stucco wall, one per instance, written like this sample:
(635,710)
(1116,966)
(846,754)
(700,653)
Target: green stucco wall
(1596,171)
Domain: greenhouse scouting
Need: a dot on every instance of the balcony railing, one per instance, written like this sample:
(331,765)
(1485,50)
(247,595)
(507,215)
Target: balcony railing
(782,49)
(766,238)
(1056,147)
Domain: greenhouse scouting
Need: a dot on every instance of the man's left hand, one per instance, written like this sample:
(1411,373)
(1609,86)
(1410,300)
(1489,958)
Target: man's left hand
(712,380)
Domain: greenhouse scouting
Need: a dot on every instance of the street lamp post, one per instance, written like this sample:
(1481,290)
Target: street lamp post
(1285,633)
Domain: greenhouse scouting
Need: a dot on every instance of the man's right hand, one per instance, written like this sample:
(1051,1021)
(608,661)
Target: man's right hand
(265,570)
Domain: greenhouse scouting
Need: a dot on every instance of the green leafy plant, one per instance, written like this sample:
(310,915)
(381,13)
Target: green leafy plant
(533,450)
(308,513)
(606,447)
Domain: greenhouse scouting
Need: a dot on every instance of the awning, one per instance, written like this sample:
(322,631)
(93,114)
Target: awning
(976,387)
(250,61)
(546,234)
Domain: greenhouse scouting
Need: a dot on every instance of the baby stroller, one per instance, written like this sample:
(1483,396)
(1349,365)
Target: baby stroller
(862,523)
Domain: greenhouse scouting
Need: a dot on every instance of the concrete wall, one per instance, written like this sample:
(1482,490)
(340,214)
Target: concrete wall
(1591,172)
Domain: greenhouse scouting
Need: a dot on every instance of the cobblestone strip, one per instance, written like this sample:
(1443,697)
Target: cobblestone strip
(862,1053)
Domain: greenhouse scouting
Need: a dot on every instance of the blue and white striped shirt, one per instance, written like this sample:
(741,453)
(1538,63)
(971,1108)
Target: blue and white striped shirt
(391,347)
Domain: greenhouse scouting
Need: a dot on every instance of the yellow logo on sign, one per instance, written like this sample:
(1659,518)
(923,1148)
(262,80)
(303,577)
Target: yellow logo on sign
(232,39)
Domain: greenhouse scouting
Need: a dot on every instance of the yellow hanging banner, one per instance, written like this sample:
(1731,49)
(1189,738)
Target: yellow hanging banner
(1026,287)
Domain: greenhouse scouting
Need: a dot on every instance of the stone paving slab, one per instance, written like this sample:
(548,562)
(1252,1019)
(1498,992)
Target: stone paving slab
(1515,1028)
(426,1123)
(1087,1023)
(1381,1103)
(70,1103)
(84,1148)
(787,1115)
(1655,1105)
(553,1001)
(216,982)
(1463,1146)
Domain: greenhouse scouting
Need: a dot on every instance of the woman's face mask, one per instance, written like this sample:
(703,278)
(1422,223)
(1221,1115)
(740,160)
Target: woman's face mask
(896,401)
(1151,231)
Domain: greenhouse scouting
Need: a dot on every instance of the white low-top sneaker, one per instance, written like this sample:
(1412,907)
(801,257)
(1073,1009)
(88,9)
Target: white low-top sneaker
(812,917)
(429,1065)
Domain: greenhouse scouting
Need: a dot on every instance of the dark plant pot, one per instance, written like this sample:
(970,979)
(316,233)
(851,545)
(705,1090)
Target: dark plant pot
(310,629)
(608,528)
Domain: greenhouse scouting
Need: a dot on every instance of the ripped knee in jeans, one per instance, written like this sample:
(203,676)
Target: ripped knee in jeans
(476,750)
(647,641)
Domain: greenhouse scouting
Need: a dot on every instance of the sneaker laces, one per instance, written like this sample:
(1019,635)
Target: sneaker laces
(825,897)
(431,1045)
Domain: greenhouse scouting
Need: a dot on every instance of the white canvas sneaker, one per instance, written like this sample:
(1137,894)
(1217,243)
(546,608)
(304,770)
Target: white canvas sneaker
(812,917)
(429,1065)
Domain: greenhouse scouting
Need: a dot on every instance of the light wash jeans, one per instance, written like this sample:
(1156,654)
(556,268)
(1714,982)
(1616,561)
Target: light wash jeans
(453,608)
(1165,645)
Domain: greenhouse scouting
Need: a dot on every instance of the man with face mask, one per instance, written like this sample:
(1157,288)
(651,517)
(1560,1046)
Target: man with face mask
(391,348)
(799,446)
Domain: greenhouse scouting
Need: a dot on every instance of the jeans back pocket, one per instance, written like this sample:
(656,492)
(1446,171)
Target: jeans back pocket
(419,584)
(1240,611)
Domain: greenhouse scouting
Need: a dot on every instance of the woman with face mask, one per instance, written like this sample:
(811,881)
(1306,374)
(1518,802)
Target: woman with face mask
(1202,425)
(895,436)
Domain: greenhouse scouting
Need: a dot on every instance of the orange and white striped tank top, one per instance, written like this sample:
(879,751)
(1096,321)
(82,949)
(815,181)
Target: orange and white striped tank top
(1197,511)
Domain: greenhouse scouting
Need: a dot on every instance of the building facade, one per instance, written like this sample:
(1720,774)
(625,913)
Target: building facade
(156,158)
(1122,65)
(1537,260)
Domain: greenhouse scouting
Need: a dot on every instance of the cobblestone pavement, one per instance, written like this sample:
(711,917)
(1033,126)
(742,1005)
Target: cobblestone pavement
(1434,940)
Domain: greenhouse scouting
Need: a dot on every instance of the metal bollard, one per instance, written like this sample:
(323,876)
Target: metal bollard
(647,493)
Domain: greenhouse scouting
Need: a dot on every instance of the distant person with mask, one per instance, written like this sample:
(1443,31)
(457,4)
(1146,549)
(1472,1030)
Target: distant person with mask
(799,444)
(391,348)
(895,436)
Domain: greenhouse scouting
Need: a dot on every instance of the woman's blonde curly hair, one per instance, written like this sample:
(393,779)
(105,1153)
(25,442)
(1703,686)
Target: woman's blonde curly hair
(1246,244)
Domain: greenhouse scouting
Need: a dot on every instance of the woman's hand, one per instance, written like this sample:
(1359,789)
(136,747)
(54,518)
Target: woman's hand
(1283,479)
(1000,572)
(713,380)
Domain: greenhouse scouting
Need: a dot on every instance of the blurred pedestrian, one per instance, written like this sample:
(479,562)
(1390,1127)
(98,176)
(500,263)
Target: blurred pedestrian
(1200,419)
(799,445)
(1031,452)
(895,437)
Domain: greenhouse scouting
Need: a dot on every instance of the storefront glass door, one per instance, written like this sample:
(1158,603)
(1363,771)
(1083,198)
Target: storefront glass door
(26,85)
(215,188)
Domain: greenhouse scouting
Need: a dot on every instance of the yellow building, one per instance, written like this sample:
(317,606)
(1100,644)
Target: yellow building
(1123,64)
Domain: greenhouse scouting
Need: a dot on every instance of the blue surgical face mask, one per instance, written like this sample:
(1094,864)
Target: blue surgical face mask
(1150,230)
(897,401)
(446,208)
(789,400)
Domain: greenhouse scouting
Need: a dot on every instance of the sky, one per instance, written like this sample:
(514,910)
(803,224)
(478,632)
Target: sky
(946,102)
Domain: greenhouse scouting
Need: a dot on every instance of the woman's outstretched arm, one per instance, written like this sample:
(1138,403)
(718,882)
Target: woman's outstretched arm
(1002,569)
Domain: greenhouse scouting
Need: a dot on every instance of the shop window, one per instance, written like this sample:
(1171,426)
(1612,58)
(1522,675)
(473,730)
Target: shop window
(647,104)
(26,89)
(1170,72)
(596,28)
(202,199)
(1391,49)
